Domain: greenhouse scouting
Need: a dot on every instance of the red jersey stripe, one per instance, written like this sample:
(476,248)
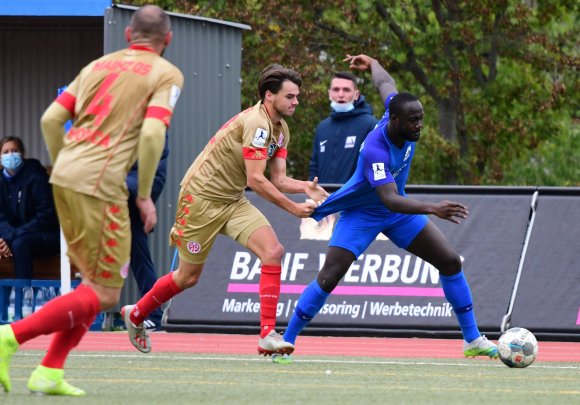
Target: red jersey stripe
(160,113)
(281,153)
(255,153)
(141,48)
(68,101)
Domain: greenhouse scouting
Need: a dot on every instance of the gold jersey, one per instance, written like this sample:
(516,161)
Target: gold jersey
(109,100)
(219,172)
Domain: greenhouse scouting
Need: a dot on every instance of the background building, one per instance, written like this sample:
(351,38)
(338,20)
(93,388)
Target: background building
(44,44)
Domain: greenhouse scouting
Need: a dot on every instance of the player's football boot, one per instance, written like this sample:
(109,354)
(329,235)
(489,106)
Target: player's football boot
(137,334)
(480,347)
(274,343)
(8,346)
(282,358)
(50,381)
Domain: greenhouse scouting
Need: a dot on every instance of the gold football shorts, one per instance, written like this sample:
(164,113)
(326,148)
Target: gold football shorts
(199,221)
(98,235)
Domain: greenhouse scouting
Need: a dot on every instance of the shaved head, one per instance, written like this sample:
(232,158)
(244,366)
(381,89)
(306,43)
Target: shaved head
(150,23)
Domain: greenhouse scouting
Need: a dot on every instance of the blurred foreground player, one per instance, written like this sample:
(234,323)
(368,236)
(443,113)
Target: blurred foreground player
(121,105)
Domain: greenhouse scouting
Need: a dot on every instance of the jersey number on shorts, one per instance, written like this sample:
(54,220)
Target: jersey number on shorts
(101,103)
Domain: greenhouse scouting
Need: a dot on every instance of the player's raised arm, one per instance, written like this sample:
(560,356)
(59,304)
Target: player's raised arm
(382,80)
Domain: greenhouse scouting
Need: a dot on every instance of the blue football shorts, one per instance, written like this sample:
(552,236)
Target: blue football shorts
(356,230)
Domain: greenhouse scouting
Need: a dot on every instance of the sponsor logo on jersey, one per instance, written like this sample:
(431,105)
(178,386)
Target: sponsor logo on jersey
(260,138)
(90,135)
(174,96)
(407,153)
(193,247)
(379,171)
(396,173)
(323,146)
(350,141)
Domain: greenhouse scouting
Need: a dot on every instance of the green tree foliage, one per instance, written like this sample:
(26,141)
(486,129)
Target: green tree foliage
(498,78)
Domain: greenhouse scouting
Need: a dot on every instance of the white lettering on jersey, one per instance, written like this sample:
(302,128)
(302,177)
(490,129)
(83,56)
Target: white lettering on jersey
(407,153)
(322,146)
(350,141)
(379,171)
(174,96)
(260,138)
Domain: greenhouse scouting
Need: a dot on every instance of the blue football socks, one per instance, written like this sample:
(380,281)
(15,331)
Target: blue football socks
(309,304)
(458,294)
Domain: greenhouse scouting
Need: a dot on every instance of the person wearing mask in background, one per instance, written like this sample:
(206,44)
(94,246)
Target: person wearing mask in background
(28,222)
(338,138)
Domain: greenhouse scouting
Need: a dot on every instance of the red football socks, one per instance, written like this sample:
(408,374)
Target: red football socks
(163,290)
(60,314)
(63,342)
(269,295)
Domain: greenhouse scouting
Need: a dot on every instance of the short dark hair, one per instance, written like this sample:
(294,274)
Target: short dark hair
(272,77)
(150,22)
(398,102)
(347,76)
(14,139)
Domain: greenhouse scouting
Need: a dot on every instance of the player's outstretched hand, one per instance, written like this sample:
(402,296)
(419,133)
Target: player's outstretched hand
(359,62)
(148,213)
(315,192)
(452,211)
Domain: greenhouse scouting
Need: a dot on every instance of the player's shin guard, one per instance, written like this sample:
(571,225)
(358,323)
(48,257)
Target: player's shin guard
(269,295)
(309,304)
(458,294)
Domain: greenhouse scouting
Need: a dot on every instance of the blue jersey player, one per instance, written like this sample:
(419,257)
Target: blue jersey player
(373,201)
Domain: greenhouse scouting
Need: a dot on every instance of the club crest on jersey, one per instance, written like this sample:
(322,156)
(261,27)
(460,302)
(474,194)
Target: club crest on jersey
(281,139)
(193,247)
(271,149)
(407,153)
(260,138)
(379,171)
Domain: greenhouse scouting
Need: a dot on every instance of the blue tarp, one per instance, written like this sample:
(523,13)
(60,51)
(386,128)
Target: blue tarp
(87,8)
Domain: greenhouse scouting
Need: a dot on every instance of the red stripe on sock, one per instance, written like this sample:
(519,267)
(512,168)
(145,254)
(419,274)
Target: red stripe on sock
(269,295)
(162,291)
(60,314)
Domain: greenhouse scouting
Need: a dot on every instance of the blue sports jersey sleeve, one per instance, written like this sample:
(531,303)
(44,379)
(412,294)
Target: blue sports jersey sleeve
(385,118)
(376,159)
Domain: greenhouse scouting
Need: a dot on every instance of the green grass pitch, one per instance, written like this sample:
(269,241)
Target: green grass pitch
(174,379)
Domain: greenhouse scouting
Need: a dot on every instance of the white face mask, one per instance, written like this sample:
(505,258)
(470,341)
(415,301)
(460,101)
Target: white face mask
(341,107)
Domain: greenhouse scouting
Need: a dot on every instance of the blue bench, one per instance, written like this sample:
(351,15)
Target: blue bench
(46,277)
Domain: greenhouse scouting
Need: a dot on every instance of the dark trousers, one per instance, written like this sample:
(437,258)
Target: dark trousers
(28,246)
(141,263)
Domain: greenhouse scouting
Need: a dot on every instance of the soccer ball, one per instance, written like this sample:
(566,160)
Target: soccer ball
(517,347)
